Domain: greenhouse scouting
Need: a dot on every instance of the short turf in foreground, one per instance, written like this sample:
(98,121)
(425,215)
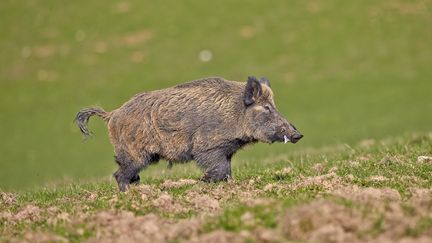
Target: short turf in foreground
(374,191)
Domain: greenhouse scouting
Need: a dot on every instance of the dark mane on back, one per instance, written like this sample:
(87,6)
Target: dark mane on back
(211,81)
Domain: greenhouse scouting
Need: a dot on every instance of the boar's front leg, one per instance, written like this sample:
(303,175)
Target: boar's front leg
(216,166)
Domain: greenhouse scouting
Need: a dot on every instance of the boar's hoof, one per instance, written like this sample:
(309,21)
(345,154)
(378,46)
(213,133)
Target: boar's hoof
(215,178)
(135,180)
(123,187)
(122,184)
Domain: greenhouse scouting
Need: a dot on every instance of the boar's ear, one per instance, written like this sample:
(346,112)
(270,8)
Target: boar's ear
(252,91)
(265,81)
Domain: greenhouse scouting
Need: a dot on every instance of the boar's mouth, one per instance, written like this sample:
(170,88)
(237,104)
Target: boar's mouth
(287,138)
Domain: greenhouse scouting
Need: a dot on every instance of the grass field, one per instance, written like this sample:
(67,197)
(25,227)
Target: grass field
(341,71)
(354,77)
(378,191)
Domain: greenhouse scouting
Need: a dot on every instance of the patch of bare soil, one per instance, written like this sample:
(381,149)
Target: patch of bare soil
(127,227)
(253,202)
(418,7)
(319,218)
(28,213)
(7,199)
(204,203)
(167,203)
(424,159)
(267,235)
(218,236)
(224,192)
(122,7)
(45,51)
(328,181)
(421,194)
(366,194)
(378,179)
(139,37)
(318,167)
(35,237)
(327,221)
(247,32)
(168,184)
(146,192)
(408,8)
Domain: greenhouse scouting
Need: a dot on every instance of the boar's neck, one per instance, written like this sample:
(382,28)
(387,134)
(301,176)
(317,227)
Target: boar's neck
(231,148)
(242,142)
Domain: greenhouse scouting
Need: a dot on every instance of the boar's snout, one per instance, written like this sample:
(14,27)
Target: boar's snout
(288,133)
(297,136)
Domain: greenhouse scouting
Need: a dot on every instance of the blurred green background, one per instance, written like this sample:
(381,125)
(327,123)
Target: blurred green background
(342,71)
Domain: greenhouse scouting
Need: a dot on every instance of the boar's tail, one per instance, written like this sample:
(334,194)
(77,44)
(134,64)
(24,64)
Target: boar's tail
(84,115)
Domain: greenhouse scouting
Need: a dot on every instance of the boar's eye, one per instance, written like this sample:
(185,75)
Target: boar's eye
(267,107)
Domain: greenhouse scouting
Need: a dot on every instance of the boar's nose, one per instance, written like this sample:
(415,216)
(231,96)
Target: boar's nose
(297,136)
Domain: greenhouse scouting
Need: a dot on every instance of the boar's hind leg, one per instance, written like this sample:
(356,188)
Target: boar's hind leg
(216,166)
(128,173)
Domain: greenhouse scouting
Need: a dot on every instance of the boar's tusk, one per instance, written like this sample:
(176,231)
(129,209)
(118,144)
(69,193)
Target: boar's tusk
(286,139)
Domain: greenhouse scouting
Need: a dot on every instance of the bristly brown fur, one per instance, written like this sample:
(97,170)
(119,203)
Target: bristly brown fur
(205,120)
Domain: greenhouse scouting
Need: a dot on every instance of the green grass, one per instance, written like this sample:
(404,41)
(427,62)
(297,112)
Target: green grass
(341,71)
(394,159)
(231,218)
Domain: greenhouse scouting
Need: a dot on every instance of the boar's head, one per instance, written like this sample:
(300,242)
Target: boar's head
(263,121)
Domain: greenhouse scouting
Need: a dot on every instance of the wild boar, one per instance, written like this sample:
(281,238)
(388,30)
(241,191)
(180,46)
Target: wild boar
(205,120)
